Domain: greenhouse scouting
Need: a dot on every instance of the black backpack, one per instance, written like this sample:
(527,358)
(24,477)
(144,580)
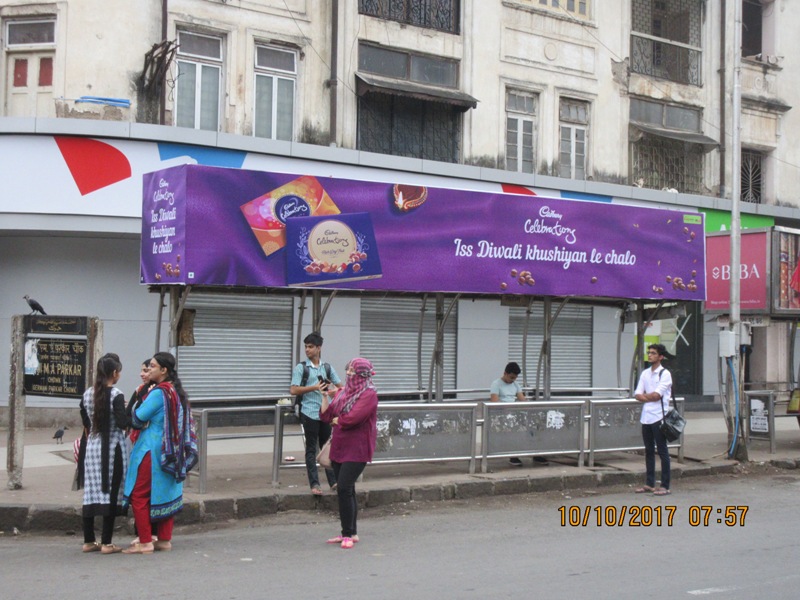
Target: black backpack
(298,399)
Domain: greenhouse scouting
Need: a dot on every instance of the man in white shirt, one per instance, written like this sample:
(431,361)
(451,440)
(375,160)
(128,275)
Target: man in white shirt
(654,392)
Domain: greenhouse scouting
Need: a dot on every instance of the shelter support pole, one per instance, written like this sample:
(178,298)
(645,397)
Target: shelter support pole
(177,301)
(542,385)
(620,331)
(316,309)
(324,310)
(546,357)
(420,331)
(525,328)
(638,352)
(548,346)
(638,348)
(438,350)
(161,293)
(301,312)
(437,358)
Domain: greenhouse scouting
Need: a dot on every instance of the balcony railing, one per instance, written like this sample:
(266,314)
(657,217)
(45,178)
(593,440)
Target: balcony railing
(657,57)
(432,14)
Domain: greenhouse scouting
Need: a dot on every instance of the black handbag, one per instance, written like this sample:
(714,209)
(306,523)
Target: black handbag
(672,425)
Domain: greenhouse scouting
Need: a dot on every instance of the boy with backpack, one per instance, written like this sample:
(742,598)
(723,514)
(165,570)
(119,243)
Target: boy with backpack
(309,378)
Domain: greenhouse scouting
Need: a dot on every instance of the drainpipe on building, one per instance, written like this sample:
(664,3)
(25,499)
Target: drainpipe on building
(162,109)
(333,82)
(723,97)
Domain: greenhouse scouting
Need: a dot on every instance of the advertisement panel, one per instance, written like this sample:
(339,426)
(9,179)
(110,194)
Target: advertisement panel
(230,227)
(754,272)
(786,271)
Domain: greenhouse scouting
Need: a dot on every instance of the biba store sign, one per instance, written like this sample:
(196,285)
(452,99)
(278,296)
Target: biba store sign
(753,271)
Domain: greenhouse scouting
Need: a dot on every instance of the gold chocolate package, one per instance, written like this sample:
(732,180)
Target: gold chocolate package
(267,214)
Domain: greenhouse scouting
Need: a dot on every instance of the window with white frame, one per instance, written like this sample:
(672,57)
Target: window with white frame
(276,76)
(29,55)
(30,33)
(521,125)
(197,95)
(574,127)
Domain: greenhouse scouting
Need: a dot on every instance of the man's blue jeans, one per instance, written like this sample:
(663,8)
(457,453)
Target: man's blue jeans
(654,439)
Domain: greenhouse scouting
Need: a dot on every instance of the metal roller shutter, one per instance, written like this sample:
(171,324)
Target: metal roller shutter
(389,331)
(243,346)
(571,357)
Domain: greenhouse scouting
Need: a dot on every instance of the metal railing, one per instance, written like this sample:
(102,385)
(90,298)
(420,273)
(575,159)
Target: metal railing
(201,422)
(537,428)
(666,59)
(580,392)
(415,432)
(614,426)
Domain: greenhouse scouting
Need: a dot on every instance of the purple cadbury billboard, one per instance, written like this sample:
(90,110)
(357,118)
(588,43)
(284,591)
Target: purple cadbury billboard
(212,226)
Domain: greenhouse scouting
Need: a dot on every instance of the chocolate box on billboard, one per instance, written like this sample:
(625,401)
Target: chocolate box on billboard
(267,214)
(331,249)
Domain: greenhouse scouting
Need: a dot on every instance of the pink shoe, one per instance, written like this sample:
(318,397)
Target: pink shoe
(347,543)
(338,540)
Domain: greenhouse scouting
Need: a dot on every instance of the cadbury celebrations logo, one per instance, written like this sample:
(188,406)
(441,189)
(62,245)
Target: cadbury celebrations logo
(290,206)
(556,229)
(162,194)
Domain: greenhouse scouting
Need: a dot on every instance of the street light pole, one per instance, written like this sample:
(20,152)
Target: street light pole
(734,396)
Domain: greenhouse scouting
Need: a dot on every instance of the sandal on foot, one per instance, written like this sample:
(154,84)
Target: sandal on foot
(662,492)
(645,489)
(316,491)
(162,545)
(139,548)
(338,540)
(347,543)
(91,547)
(136,540)
(110,549)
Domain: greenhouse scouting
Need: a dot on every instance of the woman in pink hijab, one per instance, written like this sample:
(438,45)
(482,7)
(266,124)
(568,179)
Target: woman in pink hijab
(353,414)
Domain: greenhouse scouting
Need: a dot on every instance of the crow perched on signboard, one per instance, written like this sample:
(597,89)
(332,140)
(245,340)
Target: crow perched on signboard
(35,306)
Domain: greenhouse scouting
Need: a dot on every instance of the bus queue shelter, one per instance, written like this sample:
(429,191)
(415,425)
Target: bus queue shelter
(208,227)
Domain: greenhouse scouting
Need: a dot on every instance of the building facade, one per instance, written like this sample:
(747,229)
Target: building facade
(626,102)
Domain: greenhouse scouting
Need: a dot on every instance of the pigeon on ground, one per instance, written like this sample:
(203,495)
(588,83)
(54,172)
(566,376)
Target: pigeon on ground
(35,306)
(59,435)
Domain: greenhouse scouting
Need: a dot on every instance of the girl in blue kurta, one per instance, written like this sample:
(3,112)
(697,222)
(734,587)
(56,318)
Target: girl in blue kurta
(162,455)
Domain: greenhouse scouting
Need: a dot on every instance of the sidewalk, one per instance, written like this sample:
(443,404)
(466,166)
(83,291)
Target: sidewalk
(240,476)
